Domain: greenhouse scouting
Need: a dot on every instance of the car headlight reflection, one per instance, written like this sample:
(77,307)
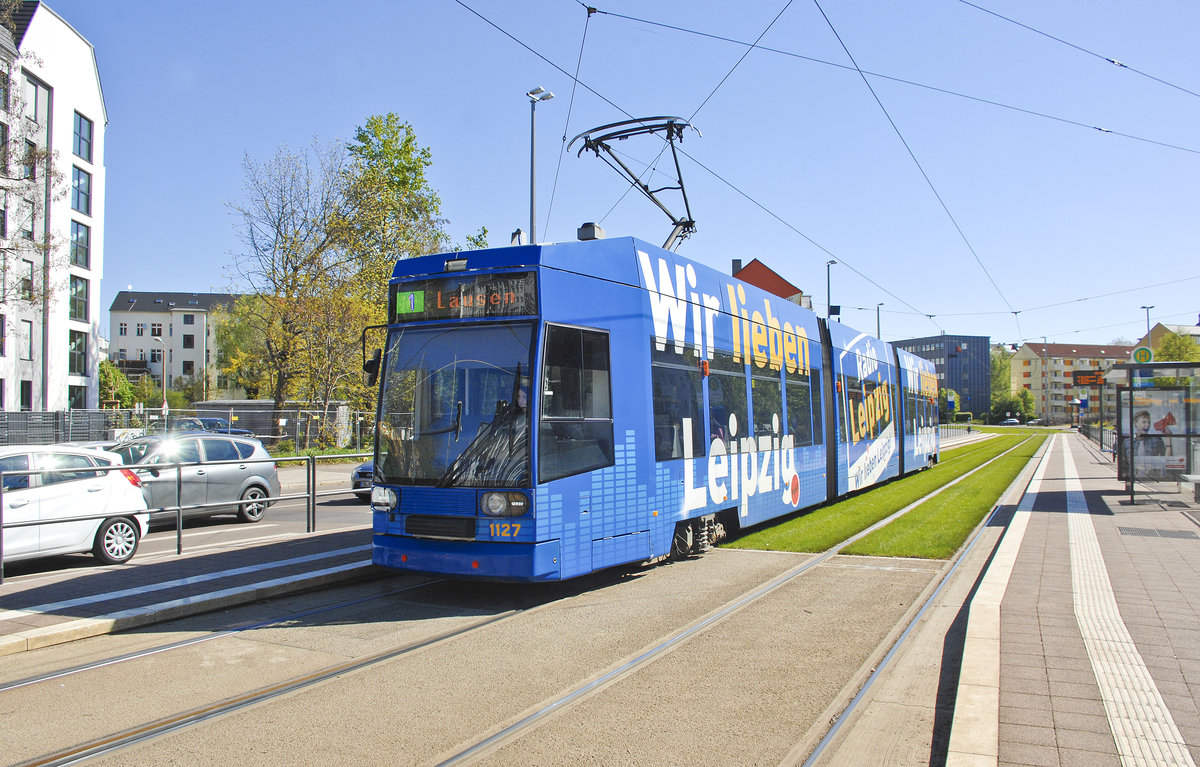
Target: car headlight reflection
(504,504)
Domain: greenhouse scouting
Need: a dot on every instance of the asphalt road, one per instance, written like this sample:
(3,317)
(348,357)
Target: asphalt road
(746,684)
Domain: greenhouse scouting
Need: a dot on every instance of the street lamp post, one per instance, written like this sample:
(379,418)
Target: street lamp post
(878,334)
(1148,308)
(163,362)
(828,293)
(535,95)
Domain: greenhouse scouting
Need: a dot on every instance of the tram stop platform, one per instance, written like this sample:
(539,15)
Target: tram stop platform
(1069,634)
(38,609)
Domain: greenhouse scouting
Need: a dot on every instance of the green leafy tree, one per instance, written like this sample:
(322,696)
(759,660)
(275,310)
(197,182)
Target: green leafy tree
(1001,373)
(1177,347)
(113,385)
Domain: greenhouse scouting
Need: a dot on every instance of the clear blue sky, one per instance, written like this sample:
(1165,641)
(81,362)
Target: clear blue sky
(798,164)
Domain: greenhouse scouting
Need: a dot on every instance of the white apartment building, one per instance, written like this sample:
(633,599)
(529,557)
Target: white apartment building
(52,121)
(172,333)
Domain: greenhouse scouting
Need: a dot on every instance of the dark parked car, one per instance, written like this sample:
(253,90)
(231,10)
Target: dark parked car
(242,487)
(360,480)
(222,426)
(1010,422)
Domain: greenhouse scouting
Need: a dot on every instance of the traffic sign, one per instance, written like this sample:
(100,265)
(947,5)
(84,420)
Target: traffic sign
(1142,355)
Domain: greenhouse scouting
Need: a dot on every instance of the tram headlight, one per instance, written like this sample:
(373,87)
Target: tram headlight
(504,504)
(384,498)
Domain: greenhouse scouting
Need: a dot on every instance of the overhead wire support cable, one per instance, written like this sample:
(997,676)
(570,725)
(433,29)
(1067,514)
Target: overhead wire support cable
(707,169)
(911,83)
(913,155)
(562,149)
(1081,49)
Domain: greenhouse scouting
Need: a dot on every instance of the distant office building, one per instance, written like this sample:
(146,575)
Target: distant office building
(963,364)
(52,122)
(1046,370)
(169,334)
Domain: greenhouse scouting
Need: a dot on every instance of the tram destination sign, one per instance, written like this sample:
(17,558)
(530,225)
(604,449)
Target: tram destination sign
(1087,377)
(512,294)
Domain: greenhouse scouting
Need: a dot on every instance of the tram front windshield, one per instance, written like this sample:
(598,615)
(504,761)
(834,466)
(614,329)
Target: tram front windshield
(454,407)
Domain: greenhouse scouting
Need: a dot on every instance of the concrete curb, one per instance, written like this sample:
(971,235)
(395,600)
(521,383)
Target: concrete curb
(83,628)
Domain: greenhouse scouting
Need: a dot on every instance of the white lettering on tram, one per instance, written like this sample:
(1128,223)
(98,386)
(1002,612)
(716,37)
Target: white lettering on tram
(751,468)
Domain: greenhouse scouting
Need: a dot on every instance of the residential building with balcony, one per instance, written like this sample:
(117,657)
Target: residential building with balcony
(1046,369)
(168,334)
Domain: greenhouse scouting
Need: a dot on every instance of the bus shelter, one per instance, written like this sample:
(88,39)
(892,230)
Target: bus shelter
(1158,421)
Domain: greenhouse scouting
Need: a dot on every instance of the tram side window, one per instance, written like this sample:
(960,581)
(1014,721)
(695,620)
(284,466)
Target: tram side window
(799,409)
(911,412)
(726,396)
(677,397)
(576,429)
(766,399)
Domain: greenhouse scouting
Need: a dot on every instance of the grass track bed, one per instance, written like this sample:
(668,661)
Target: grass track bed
(827,526)
(937,528)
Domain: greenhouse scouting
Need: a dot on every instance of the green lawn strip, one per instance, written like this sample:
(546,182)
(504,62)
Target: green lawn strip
(938,527)
(826,526)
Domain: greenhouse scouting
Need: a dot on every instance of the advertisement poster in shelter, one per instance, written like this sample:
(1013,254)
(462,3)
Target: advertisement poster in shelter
(1149,423)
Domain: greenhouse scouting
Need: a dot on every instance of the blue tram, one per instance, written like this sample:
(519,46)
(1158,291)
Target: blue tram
(546,411)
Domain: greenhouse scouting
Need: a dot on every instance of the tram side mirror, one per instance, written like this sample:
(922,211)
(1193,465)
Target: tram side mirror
(371,367)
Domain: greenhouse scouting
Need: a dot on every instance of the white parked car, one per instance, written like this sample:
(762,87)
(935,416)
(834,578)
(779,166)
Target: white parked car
(111,502)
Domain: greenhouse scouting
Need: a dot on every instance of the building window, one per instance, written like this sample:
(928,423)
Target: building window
(76,397)
(156,330)
(189,368)
(123,329)
(27,280)
(77,354)
(3,340)
(81,244)
(156,355)
(27,395)
(142,355)
(189,341)
(189,319)
(82,145)
(29,225)
(120,354)
(81,191)
(3,216)
(79,299)
(26,339)
(37,101)
(29,169)
(141,329)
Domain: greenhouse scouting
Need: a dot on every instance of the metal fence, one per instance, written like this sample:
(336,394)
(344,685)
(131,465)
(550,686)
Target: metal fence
(309,494)
(306,427)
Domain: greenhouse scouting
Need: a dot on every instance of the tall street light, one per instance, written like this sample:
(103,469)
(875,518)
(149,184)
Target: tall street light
(163,362)
(535,95)
(1148,308)
(828,294)
(878,334)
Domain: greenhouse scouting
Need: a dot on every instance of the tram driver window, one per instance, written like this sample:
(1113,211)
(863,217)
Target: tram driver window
(575,433)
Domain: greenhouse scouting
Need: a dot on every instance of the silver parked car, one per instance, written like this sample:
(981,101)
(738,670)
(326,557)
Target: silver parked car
(360,480)
(69,487)
(242,487)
